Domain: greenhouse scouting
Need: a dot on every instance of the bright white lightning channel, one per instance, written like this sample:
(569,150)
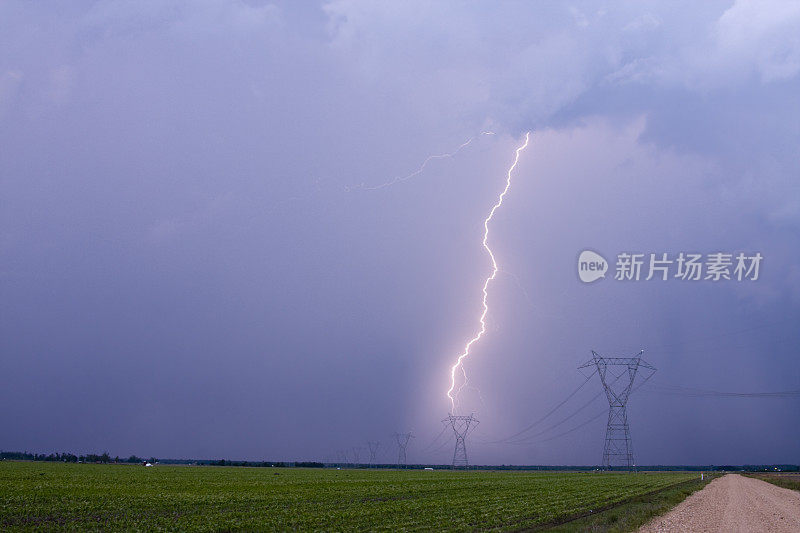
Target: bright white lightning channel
(459,364)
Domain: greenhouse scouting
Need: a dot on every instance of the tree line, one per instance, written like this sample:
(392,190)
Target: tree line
(105,458)
(72,458)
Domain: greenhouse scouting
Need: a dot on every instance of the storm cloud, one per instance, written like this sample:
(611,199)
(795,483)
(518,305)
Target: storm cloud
(194,263)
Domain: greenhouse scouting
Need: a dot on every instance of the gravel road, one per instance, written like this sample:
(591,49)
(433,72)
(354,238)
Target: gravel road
(733,503)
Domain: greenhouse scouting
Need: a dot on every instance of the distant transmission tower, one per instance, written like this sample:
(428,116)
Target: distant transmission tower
(618,374)
(342,457)
(356,454)
(402,443)
(461,427)
(373,446)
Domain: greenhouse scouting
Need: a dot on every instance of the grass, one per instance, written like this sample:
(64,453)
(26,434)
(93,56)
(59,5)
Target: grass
(55,496)
(635,512)
(787,480)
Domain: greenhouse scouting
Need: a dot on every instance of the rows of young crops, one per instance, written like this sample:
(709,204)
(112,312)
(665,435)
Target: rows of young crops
(211,498)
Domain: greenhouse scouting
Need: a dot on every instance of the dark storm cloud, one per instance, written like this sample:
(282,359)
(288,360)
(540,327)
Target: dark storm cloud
(189,267)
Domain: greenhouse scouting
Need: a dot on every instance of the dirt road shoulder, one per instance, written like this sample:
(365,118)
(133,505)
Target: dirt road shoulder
(733,503)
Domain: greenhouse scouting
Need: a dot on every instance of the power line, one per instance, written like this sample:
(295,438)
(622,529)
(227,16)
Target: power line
(552,427)
(433,442)
(592,419)
(527,438)
(678,390)
(546,415)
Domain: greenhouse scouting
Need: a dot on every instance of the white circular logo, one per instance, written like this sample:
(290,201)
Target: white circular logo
(591,266)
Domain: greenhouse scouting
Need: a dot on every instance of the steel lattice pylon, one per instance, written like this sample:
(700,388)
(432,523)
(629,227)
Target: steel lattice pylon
(461,427)
(402,443)
(618,449)
(356,455)
(373,446)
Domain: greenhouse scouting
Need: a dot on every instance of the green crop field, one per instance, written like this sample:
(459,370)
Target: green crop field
(51,496)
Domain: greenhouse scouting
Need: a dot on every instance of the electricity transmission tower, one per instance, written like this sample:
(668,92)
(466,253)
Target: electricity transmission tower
(402,443)
(356,455)
(461,426)
(373,446)
(618,374)
(342,457)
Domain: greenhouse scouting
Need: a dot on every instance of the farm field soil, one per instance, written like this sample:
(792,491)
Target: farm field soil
(56,496)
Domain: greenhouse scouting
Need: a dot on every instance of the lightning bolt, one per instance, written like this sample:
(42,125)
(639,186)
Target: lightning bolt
(459,364)
(422,166)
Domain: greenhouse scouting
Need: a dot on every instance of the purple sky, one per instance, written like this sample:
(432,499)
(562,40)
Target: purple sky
(193,263)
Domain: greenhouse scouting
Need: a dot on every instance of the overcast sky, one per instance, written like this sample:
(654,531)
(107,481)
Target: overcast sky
(197,258)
